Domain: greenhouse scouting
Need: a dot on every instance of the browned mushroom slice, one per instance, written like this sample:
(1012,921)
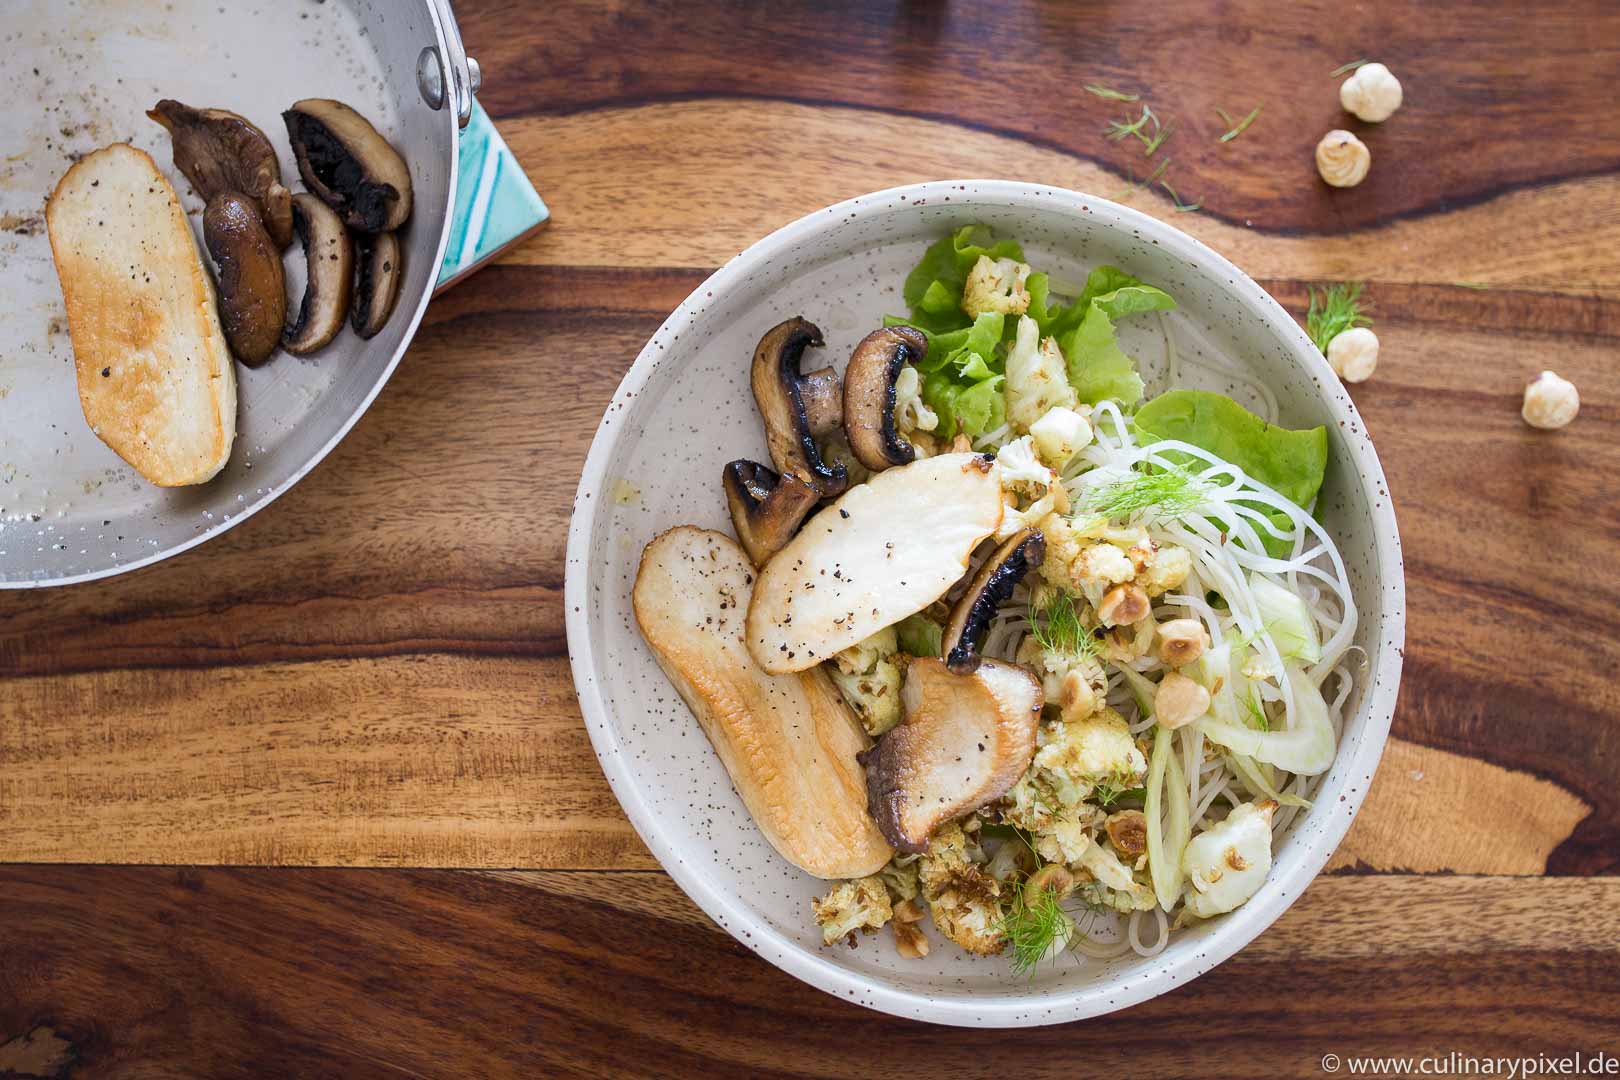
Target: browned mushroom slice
(869,395)
(349,165)
(779,391)
(766,509)
(219,151)
(252,289)
(962,742)
(329,259)
(823,394)
(990,588)
(377,272)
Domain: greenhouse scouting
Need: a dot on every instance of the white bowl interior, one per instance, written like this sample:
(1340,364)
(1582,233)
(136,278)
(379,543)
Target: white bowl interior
(685,410)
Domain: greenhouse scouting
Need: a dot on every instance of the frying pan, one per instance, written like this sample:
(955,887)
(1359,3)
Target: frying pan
(80,74)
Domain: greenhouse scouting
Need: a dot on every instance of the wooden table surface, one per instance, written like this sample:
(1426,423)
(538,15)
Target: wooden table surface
(372,673)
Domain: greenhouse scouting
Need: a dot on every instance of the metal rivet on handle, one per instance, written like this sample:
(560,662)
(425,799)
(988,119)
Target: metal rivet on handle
(475,75)
(430,77)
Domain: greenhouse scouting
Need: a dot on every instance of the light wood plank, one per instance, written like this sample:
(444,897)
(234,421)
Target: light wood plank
(717,168)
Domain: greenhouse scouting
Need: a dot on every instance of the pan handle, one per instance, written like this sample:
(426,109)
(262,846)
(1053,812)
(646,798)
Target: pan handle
(454,69)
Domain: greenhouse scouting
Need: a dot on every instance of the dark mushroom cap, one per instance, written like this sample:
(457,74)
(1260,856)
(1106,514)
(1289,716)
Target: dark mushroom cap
(779,392)
(869,395)
(219,151)
(345,161)
(377,273)
(766,509)
(990,588)
(252,289)
(329,259)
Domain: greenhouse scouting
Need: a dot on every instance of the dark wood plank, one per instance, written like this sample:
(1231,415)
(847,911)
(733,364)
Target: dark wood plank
(1480,86)
(215,973)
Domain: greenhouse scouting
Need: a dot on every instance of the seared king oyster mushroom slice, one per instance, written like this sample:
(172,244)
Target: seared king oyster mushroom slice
(329,259)
(887,549)
(345,161)
(962,742)
(869,395)
(789,742)
(990,588)
(766,509)
(793,406)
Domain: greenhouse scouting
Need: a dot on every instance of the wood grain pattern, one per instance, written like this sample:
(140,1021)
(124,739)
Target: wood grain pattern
(1480,86)
(421,620)
(373,671)
(436,974)
(717,166)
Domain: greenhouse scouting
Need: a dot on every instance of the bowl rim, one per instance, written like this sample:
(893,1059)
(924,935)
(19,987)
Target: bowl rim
(964,1008)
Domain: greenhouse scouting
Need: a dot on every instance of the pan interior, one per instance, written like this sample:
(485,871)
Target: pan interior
(81,75)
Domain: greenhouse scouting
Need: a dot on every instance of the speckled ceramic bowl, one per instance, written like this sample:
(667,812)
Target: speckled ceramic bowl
(685,409)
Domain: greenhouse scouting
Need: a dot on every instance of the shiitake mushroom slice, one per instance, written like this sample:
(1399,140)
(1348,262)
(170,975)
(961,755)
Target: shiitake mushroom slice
(252,290)
(377,273)
(345,161)
(219,152)
(329,258)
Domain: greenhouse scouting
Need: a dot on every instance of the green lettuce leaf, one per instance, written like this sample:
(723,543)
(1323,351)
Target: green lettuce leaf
(933,289)
(970,407)
(919,635)
(1290,462)
(1098,368)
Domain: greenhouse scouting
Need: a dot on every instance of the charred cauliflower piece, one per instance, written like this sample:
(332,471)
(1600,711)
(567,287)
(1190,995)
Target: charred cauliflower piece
(996,285)
(862,904)
(1077,755)
(964,900)
(869,678)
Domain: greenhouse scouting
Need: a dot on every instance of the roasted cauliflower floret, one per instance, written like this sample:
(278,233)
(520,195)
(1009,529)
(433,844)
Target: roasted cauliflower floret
(1115,886)
(862,904)
(1099,567)
(963,898)
(1227,863)
(1061,434)
(1024,478)
(996,285)
(869,677)
(1066,838)
(1167,569)
(1037,378)
(1080,754)
(911,416)
(1073,681)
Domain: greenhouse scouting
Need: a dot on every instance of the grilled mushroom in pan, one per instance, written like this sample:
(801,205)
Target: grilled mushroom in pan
(794,405)
(220,152)
(329,259)
(869,395)
(766,508)
(252,289)
(345,161)
(377,272)
(990,588)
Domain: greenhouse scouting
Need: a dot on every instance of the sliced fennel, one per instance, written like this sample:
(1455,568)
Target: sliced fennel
(1305,747)
(1169,832)
(1253,775)
(1286,619)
